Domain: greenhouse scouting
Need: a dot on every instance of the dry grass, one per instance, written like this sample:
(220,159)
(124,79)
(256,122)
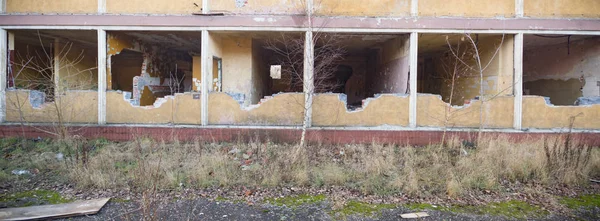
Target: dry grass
(451,169)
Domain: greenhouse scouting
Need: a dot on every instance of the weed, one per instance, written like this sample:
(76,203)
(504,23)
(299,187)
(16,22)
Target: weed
(363,209)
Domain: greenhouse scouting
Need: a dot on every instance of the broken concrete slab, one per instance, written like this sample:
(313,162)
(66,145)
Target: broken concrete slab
(79,208)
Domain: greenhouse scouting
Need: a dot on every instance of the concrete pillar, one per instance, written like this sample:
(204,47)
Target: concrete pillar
(102,6)
(102,84)
(519,8)
(308,82)
(518,81)
(414,8)
(3,72)
(206,70)
(205,8)
(413,63)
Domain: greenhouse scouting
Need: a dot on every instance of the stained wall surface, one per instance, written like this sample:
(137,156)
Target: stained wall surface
(178,109)
(467,8)
(538,114)
(387,109)
(563,71)
(362,8)
(281,109)
(52,6)
(153,6)
(392,69)
(257,6)
(71,107)
(562,8)
(433,112)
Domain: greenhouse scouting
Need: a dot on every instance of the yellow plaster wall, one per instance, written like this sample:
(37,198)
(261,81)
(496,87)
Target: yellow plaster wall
(153,6)
(236,55)
(281,109)
(388,109)
(363,8)
(73,107)
(178,109)
(562,8)
(537,114)
(257,6)
(433,112)
(468,8)
(52,6)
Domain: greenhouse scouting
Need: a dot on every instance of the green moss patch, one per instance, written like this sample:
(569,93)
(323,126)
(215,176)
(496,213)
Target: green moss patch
(364,209)
(583,201)
(31,198)
(295,201)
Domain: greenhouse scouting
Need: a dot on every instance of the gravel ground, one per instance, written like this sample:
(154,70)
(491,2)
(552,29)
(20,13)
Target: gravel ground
(204,209)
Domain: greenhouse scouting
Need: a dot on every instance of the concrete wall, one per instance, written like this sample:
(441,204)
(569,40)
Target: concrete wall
(433,112)
(153,6)
(392,68)
(237,66)
(281,109)
(563,72)
(467,8)
(72,107)
(52,6)
(178,109)
(386,109)
(362,8)
(562,8)
(538,114)
(257,6)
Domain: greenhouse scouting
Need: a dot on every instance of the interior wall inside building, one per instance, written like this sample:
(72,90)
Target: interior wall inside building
(46,61)
(454,71)
(561,69)
(151,65)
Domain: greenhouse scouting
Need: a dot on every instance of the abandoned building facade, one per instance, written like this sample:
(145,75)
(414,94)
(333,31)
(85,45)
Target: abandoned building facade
(510,65)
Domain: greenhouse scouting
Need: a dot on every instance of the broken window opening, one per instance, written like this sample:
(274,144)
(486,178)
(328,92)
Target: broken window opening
(562,69)
(367,66)
(51,62)
(452,65)
(217,75)
(151,65)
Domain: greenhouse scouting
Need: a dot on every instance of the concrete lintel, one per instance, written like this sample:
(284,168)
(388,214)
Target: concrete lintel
(102,84)
(299,21)
(518,79)
(3,72)
(413,63)
(206,65)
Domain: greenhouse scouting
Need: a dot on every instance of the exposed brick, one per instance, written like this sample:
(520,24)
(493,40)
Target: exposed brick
(276,135)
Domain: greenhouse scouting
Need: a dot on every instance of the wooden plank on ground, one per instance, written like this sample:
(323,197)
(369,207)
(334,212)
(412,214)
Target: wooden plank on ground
(78,208)
(414,215)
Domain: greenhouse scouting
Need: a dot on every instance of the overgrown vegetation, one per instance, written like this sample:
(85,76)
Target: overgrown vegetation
(435,170)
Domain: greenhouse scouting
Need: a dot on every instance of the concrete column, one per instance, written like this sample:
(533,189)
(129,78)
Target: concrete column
(308,82)
(102,84)
(519,8)
(518,81)
(206,70)
(102,6)
(414,8)
(56,76)
(413,62)
(205,8)
(3,72)
(2,6)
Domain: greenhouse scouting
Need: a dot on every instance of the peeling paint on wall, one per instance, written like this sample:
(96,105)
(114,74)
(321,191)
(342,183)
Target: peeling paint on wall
(281,109)
(538,114)
(385,109)
(74,107)
(433,112)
